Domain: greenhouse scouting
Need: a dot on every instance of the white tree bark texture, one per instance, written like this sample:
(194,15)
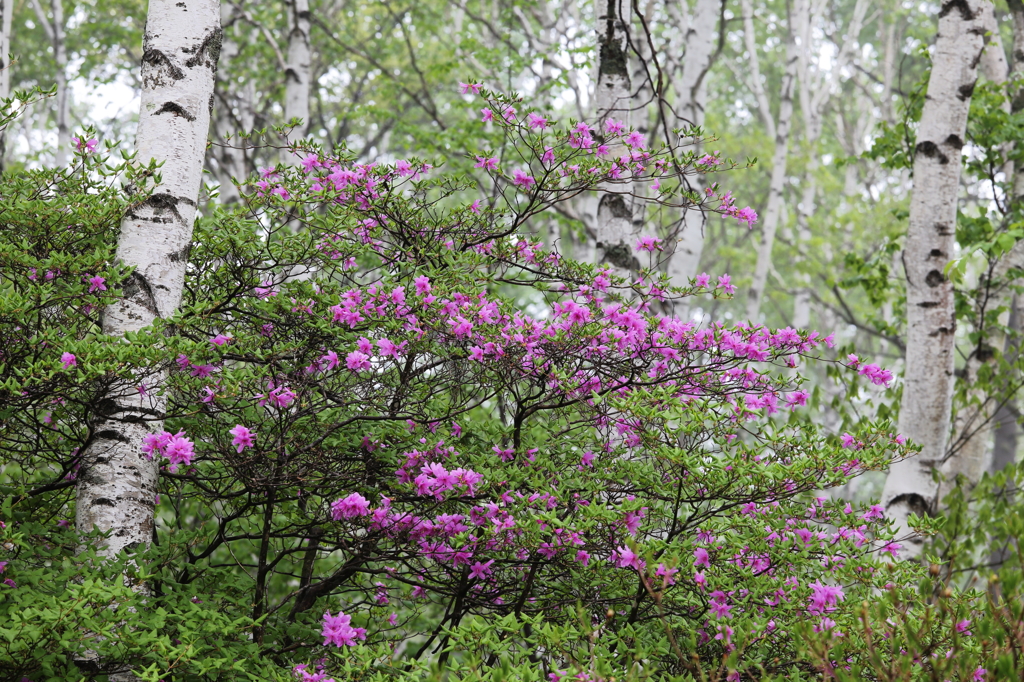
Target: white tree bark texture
(116,483)
(6,16)
(798,15)
(613,98)
(230,154)
(931,322)
(691,92)
(972,426)
(297,76)
(53,26)
(815,88)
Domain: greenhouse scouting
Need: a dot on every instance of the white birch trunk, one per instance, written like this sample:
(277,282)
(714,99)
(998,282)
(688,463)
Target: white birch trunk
(297,76)
(60,53)
(6,15)
(931,320)
(691,98)
(972,426)
(54,29)
(798,15)
(230,156)
(116,483)
(613,98)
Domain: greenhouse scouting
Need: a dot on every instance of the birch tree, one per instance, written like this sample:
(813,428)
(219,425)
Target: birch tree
(55,32)
(925,408)
(6,15)
(778,130)
(297,75)
(117,483)
(614,102)
(701,33)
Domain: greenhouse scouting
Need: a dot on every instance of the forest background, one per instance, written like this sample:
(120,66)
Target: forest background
(819,104)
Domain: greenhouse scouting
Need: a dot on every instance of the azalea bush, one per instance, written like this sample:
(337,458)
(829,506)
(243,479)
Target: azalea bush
(406,437)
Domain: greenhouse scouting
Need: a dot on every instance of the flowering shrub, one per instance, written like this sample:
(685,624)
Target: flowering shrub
(473,450)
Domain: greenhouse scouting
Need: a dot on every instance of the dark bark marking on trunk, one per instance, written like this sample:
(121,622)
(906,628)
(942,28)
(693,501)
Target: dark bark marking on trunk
(156,58)
(928,304)
(964,93)
(137,289)
(917,504)
(934,278)
(612,59)
(111,434)
(209,48)
(931,150)
(965,9)
(176,109)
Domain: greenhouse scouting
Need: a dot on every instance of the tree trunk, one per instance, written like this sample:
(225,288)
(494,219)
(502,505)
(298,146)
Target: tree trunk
(54,29)
(297,76)
(691,98)
(931,319)
(798,15)
(230,155)
(116,483)
(972,425)
(6,14)
(614,210)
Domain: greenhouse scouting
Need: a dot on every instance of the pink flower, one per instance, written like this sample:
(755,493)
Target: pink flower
(702,279)
(583,557)
(68,360)
(393,619)
(350,507)
(699,578)
(962,626)
(649,244)
(97,284)
(700,558)
(747,215)
(357,361)
(487,163)
(243,437)
(521,179)
(488,115)
(88,146)
(220,340)
(310,162)
(624,557)
(338,630)
(480,569)
(635,139)
(877,375)
(726,284)
(475,206)
(537,122)
(979,674)
(613,127)
(466,88)
(281,192)
(422,285)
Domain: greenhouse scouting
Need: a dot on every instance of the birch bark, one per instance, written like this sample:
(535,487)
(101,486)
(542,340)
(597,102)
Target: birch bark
(972,425)
(928,377)
(613,98)
(117,484)
(230,155)
(297,75)
(6,15)
(691,97)
(798,13)
(814,95)
(1004,445)
(54,29)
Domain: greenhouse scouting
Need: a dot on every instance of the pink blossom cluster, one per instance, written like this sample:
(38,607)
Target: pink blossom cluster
(338,630)
(177,448)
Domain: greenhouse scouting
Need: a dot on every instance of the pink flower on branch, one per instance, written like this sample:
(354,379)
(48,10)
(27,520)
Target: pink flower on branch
(243,437)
